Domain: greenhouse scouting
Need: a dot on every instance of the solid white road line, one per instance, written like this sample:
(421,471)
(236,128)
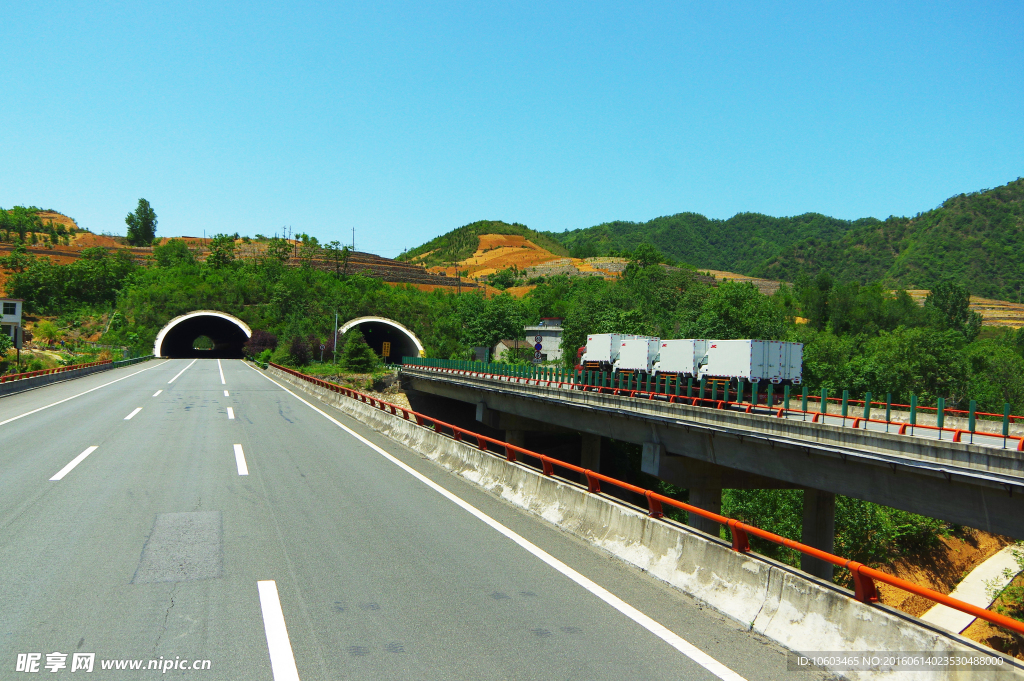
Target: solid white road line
(282,660)
(74,462)
(240,461)
(222,381)
(659,630)
(129,417)
(182,371)
(226,393)
(157,392)
(54,404)
(231,414)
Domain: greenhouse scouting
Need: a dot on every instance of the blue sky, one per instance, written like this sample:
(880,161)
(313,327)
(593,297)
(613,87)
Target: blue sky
(406,120)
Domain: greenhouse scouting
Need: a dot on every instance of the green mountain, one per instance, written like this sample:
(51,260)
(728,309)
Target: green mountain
(461,243)
(976,239)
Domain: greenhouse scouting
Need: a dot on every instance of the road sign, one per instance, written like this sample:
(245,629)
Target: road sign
(538,347)
(538,339)
(537,355)
(386,350)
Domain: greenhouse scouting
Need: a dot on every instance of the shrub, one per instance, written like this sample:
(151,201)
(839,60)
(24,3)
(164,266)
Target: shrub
(261,341)
(47,332)
(299,351)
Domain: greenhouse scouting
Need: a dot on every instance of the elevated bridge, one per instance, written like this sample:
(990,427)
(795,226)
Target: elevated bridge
(705,446)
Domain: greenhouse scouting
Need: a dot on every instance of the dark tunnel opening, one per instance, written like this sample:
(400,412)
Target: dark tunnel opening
(228,338)
(378,333)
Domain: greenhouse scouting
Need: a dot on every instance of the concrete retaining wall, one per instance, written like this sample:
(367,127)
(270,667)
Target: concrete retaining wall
(784,604)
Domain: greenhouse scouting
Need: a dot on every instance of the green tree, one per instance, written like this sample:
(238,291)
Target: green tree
(357,355)
(950,303)
(174,252)
(504,279)
(5,345)
(278,250)
(222,251)
(141,224)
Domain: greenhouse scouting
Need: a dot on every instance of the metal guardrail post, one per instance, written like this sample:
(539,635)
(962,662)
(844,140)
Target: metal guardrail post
(770,400)
(823,406)
(803,404)
(846,405)
(940,415)
(913,413)
(785,398)
(970,418)
(867,406)
(714,391)
(888,410)
(703,386)
(1006,422)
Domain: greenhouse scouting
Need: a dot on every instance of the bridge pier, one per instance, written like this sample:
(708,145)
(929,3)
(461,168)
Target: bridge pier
(590,454)
(709,499)
(516,437)
(819,531)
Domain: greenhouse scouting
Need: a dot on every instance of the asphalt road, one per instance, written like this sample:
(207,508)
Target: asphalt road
(129,531)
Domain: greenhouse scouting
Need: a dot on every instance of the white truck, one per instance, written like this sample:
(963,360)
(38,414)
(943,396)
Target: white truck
(754,360)
(637,354)
(601,351)
(680,357)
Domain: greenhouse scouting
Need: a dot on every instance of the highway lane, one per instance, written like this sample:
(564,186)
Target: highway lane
(152,547)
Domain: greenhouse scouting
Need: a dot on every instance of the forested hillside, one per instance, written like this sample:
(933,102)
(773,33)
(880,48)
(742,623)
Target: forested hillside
(975,239)
(742,243)
(461,243)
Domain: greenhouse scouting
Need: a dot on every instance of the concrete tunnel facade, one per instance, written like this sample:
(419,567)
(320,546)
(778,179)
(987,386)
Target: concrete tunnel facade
(378,330)
(229,334)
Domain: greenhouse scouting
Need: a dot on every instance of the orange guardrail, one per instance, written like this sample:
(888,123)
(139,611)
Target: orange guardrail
(46,372)
(900,426)
(864,577)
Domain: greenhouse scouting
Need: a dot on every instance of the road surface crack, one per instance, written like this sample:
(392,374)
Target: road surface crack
(163,626)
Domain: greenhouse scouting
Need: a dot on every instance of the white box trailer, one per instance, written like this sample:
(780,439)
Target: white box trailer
(637,354)
(754,361)
(681,356)
(602,350)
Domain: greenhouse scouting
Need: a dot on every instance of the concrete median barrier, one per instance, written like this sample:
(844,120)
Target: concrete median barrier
(14,387)
(778,601)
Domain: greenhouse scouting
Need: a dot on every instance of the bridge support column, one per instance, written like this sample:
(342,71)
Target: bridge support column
(516,437)
(590,454)
(819,531)
(709,499)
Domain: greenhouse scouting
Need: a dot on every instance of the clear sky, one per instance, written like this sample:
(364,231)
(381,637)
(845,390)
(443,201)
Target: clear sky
(406,120)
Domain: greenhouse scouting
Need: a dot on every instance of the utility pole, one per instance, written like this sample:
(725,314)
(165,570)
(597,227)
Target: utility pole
(335,346)
(353,238)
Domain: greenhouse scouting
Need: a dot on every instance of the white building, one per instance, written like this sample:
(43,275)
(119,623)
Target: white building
(546,339)
(10,318)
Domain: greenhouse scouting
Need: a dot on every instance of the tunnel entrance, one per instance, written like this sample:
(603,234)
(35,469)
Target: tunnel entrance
(226,335)
(380,330)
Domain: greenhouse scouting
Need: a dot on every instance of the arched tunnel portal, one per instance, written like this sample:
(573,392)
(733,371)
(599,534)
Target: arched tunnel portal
(378,330)
(178,337)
